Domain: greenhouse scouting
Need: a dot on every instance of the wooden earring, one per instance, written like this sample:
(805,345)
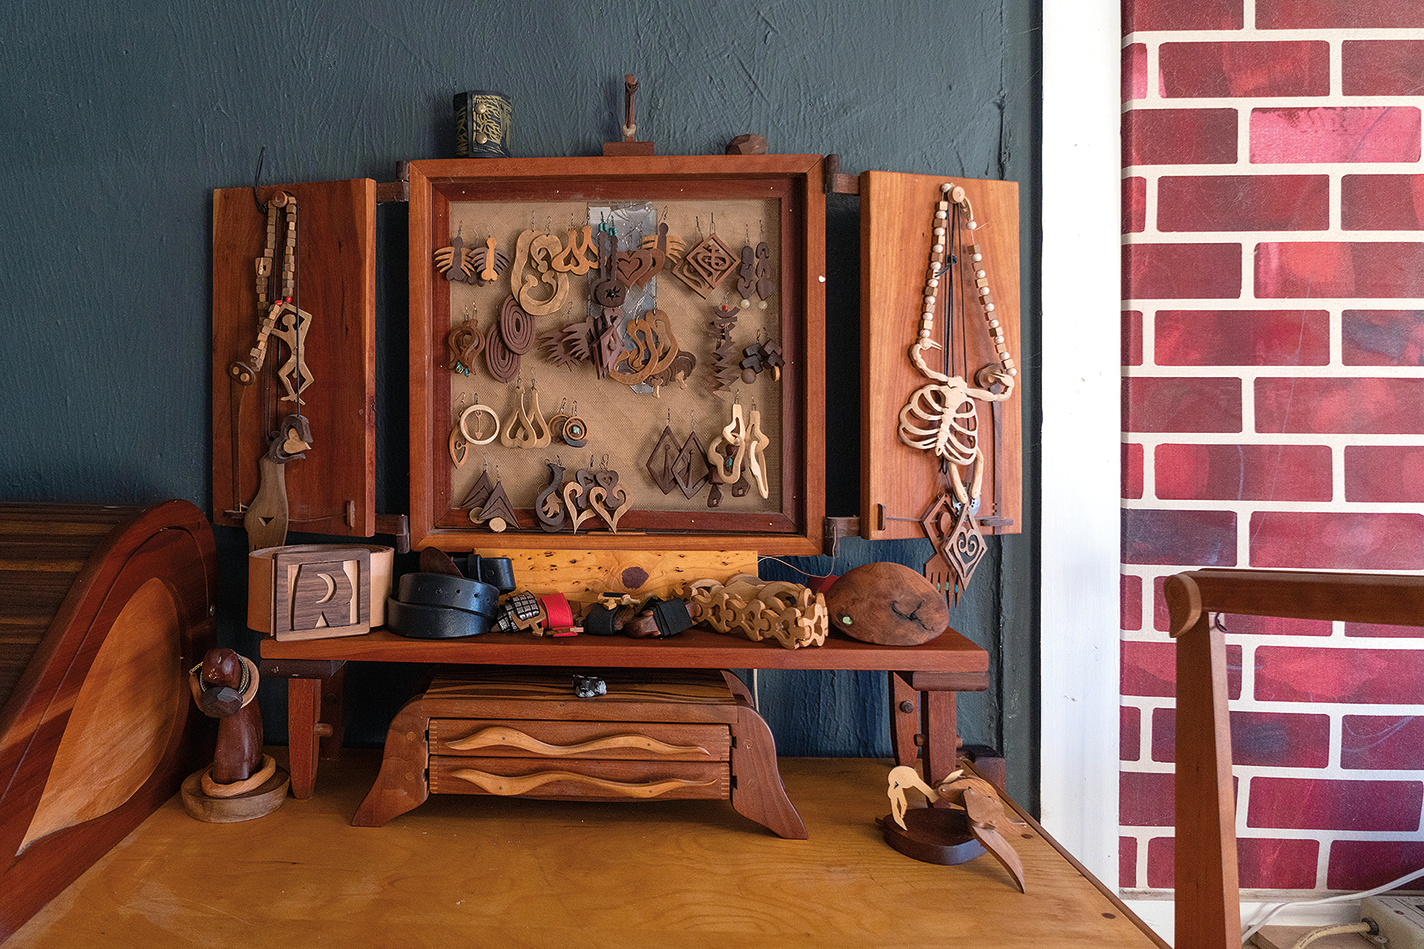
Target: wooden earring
(496,512)
(479,493)
(473,415)
(664,457)
(453,261)
(527,429)
(459,445)
(725,369)
(691,458)
(575,430)
(608,500)
(465,342)
(576,497)
(547,509)
(756,441)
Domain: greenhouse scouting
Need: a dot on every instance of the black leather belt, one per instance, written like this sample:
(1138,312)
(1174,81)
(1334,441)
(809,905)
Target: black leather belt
(415,621)
(439,606)
(439,589)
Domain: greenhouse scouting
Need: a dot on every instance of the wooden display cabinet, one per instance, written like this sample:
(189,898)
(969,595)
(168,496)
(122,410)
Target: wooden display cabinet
(742,202)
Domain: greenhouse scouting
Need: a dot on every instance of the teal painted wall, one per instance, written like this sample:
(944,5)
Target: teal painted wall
(119,119)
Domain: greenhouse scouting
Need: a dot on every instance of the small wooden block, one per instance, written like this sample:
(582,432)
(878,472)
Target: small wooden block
(627,148)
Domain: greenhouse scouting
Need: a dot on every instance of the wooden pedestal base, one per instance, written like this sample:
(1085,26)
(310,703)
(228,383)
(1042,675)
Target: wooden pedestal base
(933,835)
(259,802)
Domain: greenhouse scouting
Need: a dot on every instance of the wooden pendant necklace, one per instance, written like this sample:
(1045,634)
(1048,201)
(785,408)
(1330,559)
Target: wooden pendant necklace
(942,416)
(266,519)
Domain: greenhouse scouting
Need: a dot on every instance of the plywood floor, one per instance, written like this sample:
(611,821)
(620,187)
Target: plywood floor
(487,872)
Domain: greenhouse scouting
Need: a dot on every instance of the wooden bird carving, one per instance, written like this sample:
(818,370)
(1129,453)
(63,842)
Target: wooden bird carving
(979,801)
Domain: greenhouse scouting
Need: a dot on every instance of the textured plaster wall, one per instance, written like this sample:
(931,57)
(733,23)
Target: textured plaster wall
(121,118)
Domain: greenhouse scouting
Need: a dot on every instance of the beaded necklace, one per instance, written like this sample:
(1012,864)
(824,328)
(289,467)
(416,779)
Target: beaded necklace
(942,416)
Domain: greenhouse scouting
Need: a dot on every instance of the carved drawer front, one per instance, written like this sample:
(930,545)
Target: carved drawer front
(580,779)
(655,741)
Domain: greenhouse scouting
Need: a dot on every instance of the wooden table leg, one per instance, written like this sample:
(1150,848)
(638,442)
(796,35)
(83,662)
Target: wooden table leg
(941,736)
(757,791)
(905,721)
(305,710)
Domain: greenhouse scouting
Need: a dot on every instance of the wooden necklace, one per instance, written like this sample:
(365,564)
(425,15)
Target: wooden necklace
(942,416)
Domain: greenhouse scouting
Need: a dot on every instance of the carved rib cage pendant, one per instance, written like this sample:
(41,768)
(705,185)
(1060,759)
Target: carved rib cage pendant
(942,418)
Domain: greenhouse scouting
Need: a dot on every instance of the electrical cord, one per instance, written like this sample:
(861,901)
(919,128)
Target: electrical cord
(1366,927)
(1339,898)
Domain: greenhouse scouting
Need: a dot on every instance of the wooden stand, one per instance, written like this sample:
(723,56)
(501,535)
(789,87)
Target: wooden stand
(655,735)
(933,835)
(259,802)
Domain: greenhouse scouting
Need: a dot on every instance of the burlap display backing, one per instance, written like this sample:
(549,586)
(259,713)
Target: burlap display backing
(624,425)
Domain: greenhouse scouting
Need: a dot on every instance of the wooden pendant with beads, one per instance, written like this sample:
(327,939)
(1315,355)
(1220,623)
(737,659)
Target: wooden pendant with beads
(465,342)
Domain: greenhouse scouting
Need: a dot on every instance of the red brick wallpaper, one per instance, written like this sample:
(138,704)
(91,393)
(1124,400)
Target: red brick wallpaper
(1273,411)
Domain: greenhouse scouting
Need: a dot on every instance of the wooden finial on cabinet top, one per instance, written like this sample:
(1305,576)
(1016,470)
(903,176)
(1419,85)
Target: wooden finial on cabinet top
(630,128)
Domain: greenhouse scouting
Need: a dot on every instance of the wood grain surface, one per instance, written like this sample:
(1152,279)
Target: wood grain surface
(490,871)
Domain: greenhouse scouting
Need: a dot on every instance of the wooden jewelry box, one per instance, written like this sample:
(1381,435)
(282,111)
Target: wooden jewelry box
(655,735)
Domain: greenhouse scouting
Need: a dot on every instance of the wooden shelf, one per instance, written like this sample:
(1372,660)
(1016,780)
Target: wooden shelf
(963,665)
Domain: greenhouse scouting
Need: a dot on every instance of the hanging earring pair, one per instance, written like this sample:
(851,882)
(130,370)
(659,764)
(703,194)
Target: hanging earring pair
(738,454)
(679,466)
(489,504)
(569,427)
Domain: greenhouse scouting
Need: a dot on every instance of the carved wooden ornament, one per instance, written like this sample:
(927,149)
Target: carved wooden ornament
(321,593)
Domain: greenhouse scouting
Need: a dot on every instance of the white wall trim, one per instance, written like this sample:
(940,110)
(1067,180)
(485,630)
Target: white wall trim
(1080,628)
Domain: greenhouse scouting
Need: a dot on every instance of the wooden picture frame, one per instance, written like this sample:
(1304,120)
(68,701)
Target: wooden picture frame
(776,200)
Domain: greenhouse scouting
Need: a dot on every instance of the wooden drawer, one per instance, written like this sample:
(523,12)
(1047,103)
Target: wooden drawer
(659,741)
(580,779)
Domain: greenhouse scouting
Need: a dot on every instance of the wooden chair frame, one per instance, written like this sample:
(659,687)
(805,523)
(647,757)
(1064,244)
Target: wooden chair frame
(1208,899)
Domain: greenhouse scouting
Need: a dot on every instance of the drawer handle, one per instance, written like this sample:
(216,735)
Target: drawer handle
(509,786)
(504,736)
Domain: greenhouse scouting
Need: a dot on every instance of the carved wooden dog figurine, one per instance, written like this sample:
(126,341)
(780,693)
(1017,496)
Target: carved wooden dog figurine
(224,686)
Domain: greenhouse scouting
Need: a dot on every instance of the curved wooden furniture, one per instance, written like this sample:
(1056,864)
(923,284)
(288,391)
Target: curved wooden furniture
(103,609)
(685,734)
(1208,899)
